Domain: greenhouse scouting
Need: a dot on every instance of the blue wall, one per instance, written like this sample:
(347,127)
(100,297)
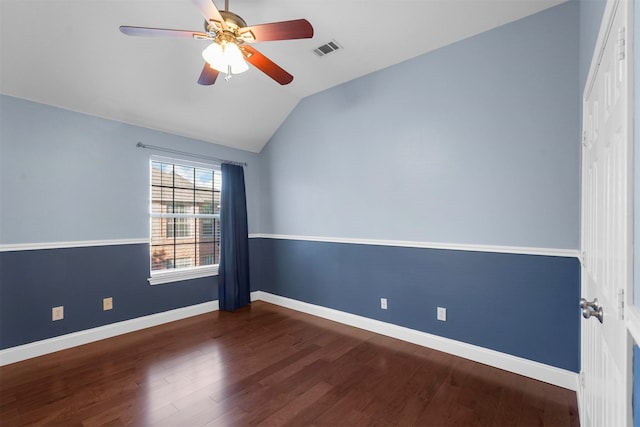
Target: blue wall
(72,177)
(32,282)
(476,143)
(636,386)
(69,177)
(636,160)
(591,12)
(636,210)
(517,304)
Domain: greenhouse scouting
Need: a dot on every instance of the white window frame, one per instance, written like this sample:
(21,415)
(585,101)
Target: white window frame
(176,275)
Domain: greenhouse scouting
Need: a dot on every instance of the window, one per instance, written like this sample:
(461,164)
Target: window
(179,263)
(207,225)
(178,227)
(185,221)
(206,259)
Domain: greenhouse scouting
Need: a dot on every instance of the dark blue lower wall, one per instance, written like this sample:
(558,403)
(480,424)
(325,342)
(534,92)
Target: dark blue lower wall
(636,386)
(524,305)
(34,281)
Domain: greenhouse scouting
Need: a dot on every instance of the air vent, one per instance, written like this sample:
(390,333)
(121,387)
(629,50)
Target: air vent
(327,48)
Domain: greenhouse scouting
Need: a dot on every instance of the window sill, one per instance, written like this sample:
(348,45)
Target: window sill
(182,274)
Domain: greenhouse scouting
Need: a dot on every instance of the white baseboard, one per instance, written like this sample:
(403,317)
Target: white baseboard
(507,362)
(63,342)
(528,368)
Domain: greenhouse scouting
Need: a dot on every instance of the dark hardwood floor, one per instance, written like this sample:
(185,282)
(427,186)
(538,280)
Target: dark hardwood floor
(267,365)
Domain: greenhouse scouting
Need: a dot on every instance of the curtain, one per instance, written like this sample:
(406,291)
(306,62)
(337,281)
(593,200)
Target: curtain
(233,271)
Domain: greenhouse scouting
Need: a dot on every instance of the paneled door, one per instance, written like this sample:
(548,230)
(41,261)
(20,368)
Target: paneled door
(604,394)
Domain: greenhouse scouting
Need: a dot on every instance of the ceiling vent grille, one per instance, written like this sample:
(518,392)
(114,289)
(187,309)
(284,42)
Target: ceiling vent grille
(327,48)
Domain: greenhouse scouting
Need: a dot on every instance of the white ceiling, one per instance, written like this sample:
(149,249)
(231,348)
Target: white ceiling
(70,54)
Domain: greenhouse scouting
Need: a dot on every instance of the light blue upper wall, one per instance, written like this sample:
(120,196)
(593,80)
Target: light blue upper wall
(636,170)
(591,12)
(476,143)
(66,176)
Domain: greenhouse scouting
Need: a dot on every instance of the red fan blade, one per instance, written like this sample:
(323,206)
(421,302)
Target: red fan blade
(208,75)
(161,32)
(210,12)
(285,30)
(266,65)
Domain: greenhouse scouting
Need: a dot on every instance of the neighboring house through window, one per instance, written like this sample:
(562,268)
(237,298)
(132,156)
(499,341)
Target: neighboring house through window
(185,220)
(178,227)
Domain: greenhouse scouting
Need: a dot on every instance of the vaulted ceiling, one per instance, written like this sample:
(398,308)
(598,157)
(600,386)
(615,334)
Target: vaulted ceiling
(70,54)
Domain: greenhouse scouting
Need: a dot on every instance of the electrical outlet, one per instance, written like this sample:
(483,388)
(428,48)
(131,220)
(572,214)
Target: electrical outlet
(107,303)
(442,314)
(57,313)
(383,303)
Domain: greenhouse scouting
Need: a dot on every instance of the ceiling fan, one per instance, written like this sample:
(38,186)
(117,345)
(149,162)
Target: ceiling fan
(230,37)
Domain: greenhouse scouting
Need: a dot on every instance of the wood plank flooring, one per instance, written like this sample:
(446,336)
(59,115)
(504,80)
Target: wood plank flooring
(267,365)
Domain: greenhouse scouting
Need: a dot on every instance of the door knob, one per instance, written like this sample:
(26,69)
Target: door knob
(591,309)
(589,304)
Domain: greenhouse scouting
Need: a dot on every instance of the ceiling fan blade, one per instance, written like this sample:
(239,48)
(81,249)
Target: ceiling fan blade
(161,32)
(210,12)
(285,30)
(266,65)
(208,75)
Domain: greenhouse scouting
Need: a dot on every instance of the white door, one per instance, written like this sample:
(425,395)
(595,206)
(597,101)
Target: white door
(605,397)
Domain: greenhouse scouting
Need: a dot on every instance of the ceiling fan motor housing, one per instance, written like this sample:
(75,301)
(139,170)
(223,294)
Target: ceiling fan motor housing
(232,21)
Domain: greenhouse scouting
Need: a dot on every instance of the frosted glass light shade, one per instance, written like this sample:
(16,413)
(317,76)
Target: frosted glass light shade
(214,57)
(223,57)
(234,58)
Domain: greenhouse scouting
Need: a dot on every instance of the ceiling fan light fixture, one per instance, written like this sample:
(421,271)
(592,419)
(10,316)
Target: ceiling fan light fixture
(225,57)
(234,58)
(215,57)
(230,51)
